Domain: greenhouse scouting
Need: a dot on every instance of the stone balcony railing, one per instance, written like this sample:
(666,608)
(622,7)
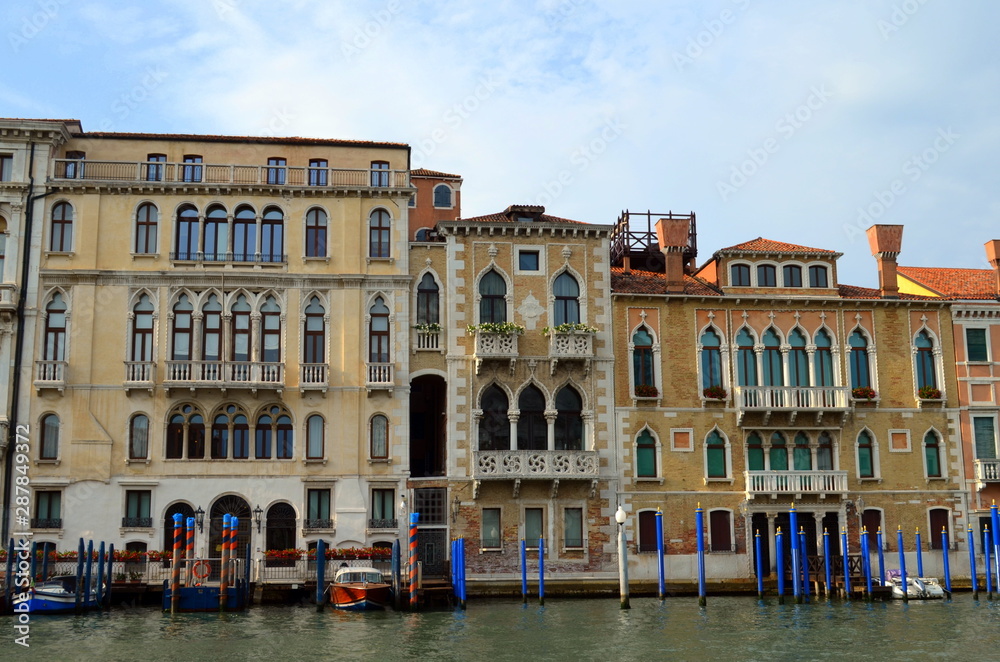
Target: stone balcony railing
(795,483)
(495,346)
(379,376)
(225,374)
(793,400)
(570,346)
(428,340)
(987,471)
(314,376)
(8,297)
(50,374)
(536,465)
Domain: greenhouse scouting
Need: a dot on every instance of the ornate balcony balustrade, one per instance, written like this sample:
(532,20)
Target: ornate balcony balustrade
(536,465)
(379,376)
(987,471)
(495,346)
(793,400)
(428,340)
(225,374)
(795,483)
(314,376)
(50,374)
(570,346)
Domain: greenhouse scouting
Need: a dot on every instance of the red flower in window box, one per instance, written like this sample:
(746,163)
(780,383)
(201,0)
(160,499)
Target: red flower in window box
(929,393)
(863,393)
(646,391)
(715,393)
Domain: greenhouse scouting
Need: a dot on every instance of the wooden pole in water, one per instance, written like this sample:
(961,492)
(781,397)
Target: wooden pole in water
(881,557)
(246,578)
(699,523)
(944,557)
(541,571)
(45,564)
(524,571)
(189,552)
(902,562)
(661,575)
(920,555)
(826,563)
(8,586)
(100,576)
(760,565)
(397,581)
(79,575)
(972,562)
(805,563)
(224,562)
(780,561)
(34,559)
(175,569)
(845,550)
(796,571)
(89,572)
(866,563)
(320,574)
(111,567)
(414,521)
(986,562)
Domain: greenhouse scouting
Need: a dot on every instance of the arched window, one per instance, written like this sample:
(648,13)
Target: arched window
(773,373)
(55,329)
(379,437)
(241,437)
(241,331)
(196,438)
(716,462)
(280,526)
(824,452)
(492,298)
(264,435)
(284,438)
(779,453)
(316,222)
(755,452)
(185,431)
(746,359)
(220,437)
(314,346)
(802,454)
(216,239)
(272,232)
(823,359)
(711,359)
(142,330)
(442,195)
(645,455)
(378,333)
(314,437)
(61,239)
(926,374)
(818,276)
(798,360)
(866,455)
(642,360)
(932,454)
(567,293)
(378,237)
(791,275)
(427,300)
(766,275)
(146,219)
(3,246)
(186,239)
(211,334)
(180,346)
(569,430)
(739,275)
(50,438)
(532,430)
(860,374)
(270,331)
(138,437)
(494,427)
(229,428)
(244,234)
(182,509)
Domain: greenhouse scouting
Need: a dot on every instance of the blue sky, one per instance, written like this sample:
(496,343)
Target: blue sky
(802,122)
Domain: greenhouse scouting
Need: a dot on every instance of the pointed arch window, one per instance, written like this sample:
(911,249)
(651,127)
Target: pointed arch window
(55,329)
(61,239)
(270,324)
(427,300)
(284,438)
(716,462)
(746,359)
(866,455)
(823,359)
(755,452)
(860,373)
(932,454)
(185,431)
(272,233)
(824,452)
(926,373)
(711,359)
(244,234)
(315,332)
(378,335)
(773,372)
(642,358)
(138,437)
(186,239)
(801,453)
(778,453)
(569,430)
(241,437)
(211,330)
(532,430)
(567,294)
(378,237)
(494,427)
(316,224)
(216,241)
(264,437)
(492,298)
(220,437)
(147,218)
(181,331)
(798,360)
(196,438)
(645,455)
(142,330)
(241,331)
(229,429)
(379,437)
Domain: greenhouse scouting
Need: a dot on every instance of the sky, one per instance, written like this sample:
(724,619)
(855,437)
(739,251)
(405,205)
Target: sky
(803,122)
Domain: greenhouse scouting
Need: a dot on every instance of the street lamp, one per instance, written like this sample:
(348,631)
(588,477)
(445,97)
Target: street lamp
(199,518)
(620,517)
(258,514)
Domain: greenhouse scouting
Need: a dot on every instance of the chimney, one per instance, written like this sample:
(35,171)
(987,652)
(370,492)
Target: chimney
(672,234)
(993,256)
(885,242)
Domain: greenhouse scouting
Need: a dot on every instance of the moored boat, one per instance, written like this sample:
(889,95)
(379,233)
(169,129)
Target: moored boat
(360,589)
(917,588)
(56,595)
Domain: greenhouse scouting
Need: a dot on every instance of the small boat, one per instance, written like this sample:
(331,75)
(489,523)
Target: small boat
(917,588)
(206,598)
(56,595)
(360,589)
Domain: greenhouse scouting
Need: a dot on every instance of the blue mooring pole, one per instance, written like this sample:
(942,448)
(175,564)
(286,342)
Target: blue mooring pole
(902,562)
(524,572)
(320,574)
(780,561)
(45,565)
(987,539)
(881,557)
(397,581)
(461,567)
(100,576)
(661,576)
(995,518)
(90,570)
(944,558)
(805,563)
(760,565)
(541,571)
(111,566)
(970,536)
(847,563)
(826,563)
(920,555)
(79,575)
(699,523)
(796,571)
(34,559)
(866,563)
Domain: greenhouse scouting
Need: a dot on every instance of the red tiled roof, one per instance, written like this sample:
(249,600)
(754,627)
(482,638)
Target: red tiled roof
(856,292)
(291,140)
(953,283)
(637,281)
(761,245)
(424,172)
(511,214)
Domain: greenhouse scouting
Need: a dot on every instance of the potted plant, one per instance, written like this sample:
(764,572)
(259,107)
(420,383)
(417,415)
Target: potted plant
(715,393)
(929,393)
(282,558)
(498,328)
(568,327)
(646,391)
(428,327)
(863,393)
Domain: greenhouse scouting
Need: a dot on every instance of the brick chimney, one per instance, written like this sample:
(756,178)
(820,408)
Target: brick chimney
(672,234)
(886,242)
(993,255)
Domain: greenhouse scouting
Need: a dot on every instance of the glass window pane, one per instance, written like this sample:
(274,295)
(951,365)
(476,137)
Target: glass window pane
(976,341)
(532,526)
(491,528)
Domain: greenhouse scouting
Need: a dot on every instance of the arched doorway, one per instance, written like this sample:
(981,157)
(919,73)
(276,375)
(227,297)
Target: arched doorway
(232,505)
(185,511)
(428,407)
(280,532)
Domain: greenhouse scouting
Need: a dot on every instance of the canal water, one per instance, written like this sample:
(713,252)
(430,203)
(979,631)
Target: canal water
(729,628)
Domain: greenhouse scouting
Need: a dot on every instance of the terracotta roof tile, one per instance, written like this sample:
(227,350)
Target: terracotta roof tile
(424,172)
(511,214)
(637,281)
(291,140)
(954,283)
(857,292)
(761,245)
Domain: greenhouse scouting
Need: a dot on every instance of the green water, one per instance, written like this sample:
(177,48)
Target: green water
(733,628)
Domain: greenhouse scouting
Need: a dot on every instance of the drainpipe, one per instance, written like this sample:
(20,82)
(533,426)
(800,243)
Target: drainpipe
(19,342)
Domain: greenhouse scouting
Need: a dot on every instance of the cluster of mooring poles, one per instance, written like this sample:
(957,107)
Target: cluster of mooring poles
(458,570)
(195,571)
(23,573)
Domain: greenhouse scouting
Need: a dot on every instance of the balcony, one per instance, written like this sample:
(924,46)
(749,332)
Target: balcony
(796,483)
(792,400)
(8,300)
(379,376)
(137,522)
(46,523)
(140,374)
(225,375)
(200,174)
(571,347)
(536,465)
(50,374)
(383,524)
(495,347)
(230,258)
(428,340)
(987,471)
(314,377)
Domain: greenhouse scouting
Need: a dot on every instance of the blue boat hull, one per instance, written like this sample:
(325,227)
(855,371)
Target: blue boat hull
(205,598)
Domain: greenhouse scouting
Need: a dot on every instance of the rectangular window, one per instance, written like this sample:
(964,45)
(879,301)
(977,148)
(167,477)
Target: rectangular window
(491,538)
(154,167)
(6,167)
(380,173)
(191,173)
(48,510)
(74,166)
(818,277)
(573,528)
(532,527)
(276,170)
(939,523)
(975,341)
(383,509)
(318,172)
(528,260)
(137,508)
(318,506)
(984,433)
(871,520)
(716,458)
(719,531)
(430,502)
(648,542)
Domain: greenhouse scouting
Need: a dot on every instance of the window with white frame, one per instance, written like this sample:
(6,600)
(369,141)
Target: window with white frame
(720,531)
(534,526)
(442,196)
(984,434)
(314,437)
(147,218)
(573,528)
(491,537)
(976,345)
(645,455)
(716,455)
(138,437)
(867,455)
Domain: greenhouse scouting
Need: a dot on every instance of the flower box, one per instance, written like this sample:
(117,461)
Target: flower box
(568,327)
(929,393)
(715,393)
(646,391)
(498,328)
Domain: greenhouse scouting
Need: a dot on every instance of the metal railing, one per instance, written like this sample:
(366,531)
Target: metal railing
(383,524)
(795,482)
(46,523)
(536,464)
(138,522)
(197,256)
